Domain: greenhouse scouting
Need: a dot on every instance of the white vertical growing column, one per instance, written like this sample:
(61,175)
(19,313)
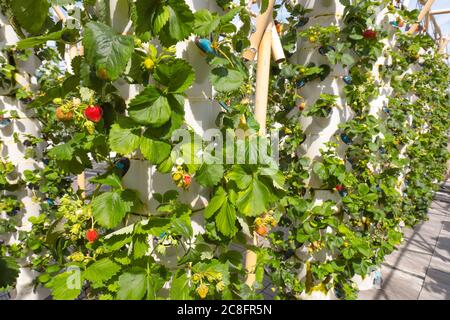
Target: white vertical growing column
(200,115)
(319,131)
(25,123)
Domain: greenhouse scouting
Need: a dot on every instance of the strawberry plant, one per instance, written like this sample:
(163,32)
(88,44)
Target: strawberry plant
(379,170)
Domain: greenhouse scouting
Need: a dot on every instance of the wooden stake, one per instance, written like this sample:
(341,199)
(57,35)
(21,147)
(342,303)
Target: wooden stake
(444,11)
(437,29)
(262,90)
(426,8)
(277,48)
(427,22)
(443,44)
(59,13)
(262,21)
(262,78)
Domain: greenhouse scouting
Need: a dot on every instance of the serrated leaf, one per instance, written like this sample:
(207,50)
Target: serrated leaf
(254,200)
(31,14)
(36,41)
(9,271)
(180,23)
(151,16)
(177,75)
(62,152)
(124,136)
(180,289)
(110,180)
(154,151)
(140,246)
(101,271)
(109,209)
(225,80)
(240,177)
(107,51)
(132,284)
(209,174)
(150,108)
(229,16)
(205,22)
(226,219)
(66,285)
(182,226)
(215,203)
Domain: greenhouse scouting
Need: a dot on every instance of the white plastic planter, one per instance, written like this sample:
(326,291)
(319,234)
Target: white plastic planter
(316,295)
(15,153)
(324,7)
(370,281)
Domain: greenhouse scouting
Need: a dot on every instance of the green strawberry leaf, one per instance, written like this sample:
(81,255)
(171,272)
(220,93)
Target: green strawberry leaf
(205,22)
(150,107)
(180,288)
(209,174)
(179,26)
(9,271)
(226,219)
(110,180)
(124,136)
(254,200)
(132,284)
(101,271)
(151,16)
(106,50)
(177,75)
(154,151)
(215,203)
(225,80)
(66,285)
(110,208)
(31,14)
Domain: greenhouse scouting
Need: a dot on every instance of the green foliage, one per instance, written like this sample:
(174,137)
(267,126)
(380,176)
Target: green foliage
(381,177)
(107,51)
(31,14)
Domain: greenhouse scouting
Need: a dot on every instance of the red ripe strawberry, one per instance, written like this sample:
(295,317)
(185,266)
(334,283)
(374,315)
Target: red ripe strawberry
(93,113)
(92,235)
(262,230)
(187,180)
(339,187)
(370,34)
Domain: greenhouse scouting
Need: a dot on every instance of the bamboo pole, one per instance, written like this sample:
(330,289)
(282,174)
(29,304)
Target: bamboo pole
(443,44)
(426,8)
(437,29)
(59,13)
(262,21)
(443,11)
(277,48)
(262,78)
(427,22)
(262,90)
